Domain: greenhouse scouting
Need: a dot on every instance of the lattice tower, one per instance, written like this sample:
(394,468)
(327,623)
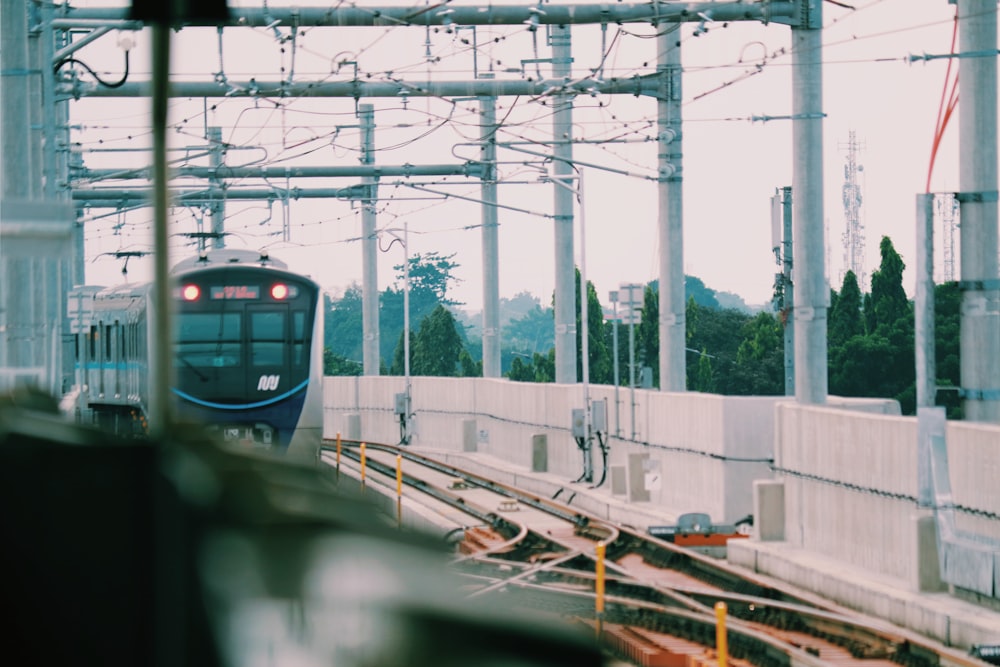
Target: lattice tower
(946,207)
(854,232)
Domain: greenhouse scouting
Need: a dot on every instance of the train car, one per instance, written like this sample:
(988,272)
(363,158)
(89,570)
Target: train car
(247,350)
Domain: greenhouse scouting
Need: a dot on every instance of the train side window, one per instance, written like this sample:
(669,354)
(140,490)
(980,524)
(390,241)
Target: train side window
(93,342)
(267,334)
(299,338)
(107,343)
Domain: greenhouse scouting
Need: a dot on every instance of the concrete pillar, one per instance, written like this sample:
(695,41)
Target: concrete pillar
(637,491)
(812,293)
(352,426)
(469,435)
(562,171)
(673,306)
(927,569)
(977,128)
(768,510)
(539,453)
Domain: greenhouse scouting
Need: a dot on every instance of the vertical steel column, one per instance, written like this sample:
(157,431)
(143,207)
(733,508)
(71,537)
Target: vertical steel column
(924,306)
(789,293)
(673,308)
(562,167)
(811,291)
(160,416)
(977,127)
(217,210)
(369,247)
(15,176)
(491,253)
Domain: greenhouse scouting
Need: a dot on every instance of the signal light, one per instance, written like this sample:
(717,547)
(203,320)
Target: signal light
(279,291)
(191,292)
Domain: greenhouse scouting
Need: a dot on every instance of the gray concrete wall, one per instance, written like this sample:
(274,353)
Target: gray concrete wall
(692,452)
(848,468)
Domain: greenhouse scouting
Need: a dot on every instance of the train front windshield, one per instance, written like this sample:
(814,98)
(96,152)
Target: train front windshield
(242,347)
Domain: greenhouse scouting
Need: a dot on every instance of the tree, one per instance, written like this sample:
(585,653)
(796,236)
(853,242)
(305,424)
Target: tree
(647,335)
(438,345)
(430,277)
(705,378)
(342,324)
(845,315)
(889,303)
(598,355)
(335,364)
(947,352)
(760,358)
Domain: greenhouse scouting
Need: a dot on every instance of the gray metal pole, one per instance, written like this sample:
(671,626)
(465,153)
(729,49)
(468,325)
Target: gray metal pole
(491,252)
(789,295)
(369,248)
(613,298)
(562,167)
(631,358)
(14,85)
(811,291)
(160,417)
(673,312)
(977,126)
(924,306)
(217,209)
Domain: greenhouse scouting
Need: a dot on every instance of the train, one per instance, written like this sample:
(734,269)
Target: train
(247,352)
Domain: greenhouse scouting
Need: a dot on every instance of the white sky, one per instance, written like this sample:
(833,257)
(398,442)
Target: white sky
(731,165)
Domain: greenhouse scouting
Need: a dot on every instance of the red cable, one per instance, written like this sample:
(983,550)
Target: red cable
(941,123)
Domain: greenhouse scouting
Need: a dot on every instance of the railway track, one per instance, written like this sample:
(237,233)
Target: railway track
(661,604)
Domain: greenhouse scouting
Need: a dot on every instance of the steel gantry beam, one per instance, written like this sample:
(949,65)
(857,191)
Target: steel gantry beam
(443,15)
(560,86)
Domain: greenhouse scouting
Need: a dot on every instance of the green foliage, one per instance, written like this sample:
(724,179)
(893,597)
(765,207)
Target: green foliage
(647,336)
(877,359)
(541,368)
(947,318)
(398,366)
(845,313)
(888,301)
(430,278)
(335,364)
(600,364)
(437,346)
(342,324)
(705,378)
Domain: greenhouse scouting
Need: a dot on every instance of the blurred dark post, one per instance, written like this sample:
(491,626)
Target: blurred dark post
(163,16)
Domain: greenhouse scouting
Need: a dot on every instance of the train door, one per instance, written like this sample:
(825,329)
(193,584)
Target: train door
(268,355)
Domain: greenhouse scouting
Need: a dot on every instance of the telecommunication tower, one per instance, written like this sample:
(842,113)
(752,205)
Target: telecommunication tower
(947,209)
(854,233)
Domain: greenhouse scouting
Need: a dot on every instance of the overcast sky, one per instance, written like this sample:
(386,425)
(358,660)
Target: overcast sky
(732,164)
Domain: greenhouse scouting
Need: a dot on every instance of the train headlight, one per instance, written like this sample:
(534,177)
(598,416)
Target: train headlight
(191,292)
(281,291)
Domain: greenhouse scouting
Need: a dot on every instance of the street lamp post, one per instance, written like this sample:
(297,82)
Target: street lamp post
(403,400)
(613,298)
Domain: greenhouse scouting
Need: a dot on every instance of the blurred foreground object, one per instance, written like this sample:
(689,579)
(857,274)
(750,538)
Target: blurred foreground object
(186,552)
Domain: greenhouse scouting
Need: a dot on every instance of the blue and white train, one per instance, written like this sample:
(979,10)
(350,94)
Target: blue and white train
(247,350)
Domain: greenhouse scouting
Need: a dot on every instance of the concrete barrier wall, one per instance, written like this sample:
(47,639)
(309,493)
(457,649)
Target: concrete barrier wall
(974,466)
(692,452)
(849,468)
(851,484)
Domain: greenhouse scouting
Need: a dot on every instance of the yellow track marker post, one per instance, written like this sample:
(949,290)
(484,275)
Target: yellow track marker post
(362,466)
(338,455)
(399,490)
(721,648)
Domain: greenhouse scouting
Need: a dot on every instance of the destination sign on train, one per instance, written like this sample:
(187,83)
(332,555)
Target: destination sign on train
(235,291)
